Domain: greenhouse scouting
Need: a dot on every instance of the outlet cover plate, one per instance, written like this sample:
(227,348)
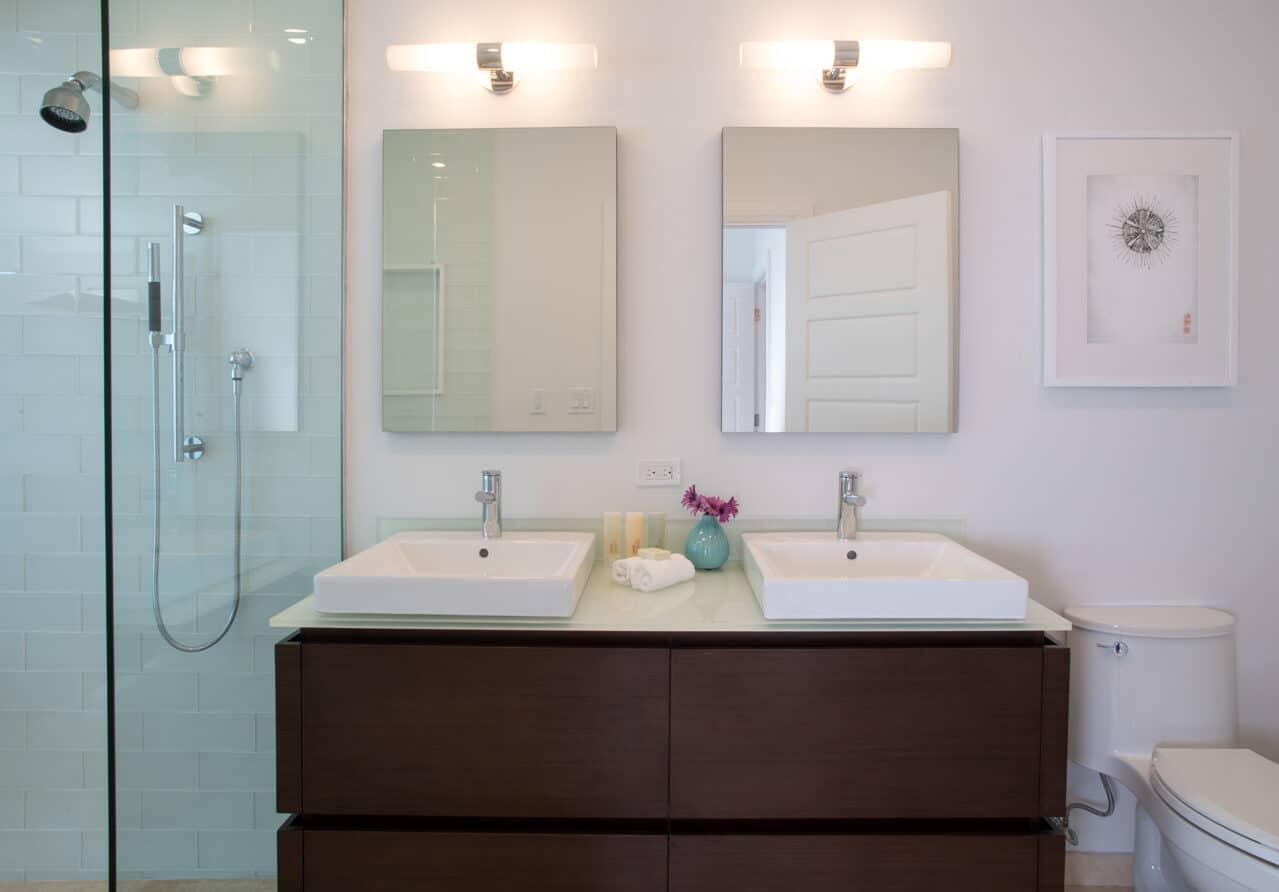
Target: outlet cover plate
(660,472)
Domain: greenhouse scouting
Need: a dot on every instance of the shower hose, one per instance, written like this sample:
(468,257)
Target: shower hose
(155,531)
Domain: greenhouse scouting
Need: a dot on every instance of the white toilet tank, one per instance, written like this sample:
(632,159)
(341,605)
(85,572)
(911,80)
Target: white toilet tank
(1141,676)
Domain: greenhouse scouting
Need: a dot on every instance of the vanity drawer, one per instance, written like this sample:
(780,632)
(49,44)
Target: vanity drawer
(395,861)
(492,731)
(859,863)
(856,733)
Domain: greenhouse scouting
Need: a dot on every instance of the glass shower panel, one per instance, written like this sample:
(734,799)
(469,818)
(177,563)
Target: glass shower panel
(53,801)
(226,193)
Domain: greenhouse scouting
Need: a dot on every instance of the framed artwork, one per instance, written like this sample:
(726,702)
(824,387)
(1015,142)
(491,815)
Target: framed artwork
(1140,257)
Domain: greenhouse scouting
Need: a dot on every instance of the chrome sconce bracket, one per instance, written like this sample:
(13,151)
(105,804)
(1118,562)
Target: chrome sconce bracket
(842,74)
(170,61)
(488,57)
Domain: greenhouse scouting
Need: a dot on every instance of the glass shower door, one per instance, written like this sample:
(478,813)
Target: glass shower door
(226,205)
(53,729)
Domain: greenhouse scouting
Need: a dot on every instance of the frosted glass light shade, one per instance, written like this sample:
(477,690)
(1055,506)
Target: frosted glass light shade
(817,55)
(191,61)
(519,57)
(808,55)
(886,55)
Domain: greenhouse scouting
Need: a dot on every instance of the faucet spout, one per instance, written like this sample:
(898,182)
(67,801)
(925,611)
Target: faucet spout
(849,501)
(490,499)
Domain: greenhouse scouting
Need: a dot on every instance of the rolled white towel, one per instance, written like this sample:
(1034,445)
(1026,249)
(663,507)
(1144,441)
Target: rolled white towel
(650,576)
(623,569)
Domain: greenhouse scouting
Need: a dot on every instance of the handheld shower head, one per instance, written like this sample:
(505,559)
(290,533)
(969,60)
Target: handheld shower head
(65,107)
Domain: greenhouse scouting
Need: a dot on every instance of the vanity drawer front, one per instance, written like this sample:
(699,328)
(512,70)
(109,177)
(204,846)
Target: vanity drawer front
(855,863)
(851,733)
(492,731)
(392,861)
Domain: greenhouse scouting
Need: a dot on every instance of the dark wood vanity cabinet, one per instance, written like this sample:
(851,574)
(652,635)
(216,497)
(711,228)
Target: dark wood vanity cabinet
(416,760)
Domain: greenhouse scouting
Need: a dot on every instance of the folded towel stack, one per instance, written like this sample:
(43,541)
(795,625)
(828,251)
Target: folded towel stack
(647,575)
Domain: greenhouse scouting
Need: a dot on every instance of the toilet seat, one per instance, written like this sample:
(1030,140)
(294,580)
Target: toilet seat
(1232,794)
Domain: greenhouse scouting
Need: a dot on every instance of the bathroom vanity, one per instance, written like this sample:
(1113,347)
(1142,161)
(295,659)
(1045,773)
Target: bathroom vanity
(675,740)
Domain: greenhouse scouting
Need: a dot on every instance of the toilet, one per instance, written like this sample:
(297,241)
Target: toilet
(1153,706)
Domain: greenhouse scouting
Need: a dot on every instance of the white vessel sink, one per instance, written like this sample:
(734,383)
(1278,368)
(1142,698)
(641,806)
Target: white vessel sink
(878,576)
(461,574)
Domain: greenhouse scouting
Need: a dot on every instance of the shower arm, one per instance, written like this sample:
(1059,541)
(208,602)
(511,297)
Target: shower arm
(90,81)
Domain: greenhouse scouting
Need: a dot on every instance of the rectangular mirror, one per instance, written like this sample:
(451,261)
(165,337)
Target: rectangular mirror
(499,282)
(840,279)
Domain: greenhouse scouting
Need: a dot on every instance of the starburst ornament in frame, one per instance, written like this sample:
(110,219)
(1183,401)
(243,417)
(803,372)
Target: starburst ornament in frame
(1140,242)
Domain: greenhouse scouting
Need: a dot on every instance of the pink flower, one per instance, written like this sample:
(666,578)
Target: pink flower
(713,506)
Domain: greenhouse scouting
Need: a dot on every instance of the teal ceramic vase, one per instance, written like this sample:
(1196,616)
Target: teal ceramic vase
(707,544)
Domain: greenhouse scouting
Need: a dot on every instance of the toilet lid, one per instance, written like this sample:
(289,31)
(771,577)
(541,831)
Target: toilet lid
(1236,789)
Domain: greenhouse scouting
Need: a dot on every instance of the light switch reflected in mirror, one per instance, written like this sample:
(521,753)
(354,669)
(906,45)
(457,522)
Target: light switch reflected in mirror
(499,283)
(840,280)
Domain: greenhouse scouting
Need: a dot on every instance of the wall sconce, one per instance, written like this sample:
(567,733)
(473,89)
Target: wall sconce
(500,64)
(840,62)
(191,69)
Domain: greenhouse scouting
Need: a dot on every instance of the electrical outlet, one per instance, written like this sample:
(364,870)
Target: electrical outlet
(659,472)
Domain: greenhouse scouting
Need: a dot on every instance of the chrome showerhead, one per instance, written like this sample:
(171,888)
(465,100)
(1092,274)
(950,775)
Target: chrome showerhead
(65,107)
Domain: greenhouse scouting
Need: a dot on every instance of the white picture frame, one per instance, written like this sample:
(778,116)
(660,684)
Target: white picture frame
(1141,259)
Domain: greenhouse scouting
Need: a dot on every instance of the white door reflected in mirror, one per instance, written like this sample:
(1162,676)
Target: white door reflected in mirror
(839,280)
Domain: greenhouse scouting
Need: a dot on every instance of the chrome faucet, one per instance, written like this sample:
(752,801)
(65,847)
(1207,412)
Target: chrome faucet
(490,499)
(849,502)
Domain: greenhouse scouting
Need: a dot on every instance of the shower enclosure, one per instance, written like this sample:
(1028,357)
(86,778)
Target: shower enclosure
(170,422)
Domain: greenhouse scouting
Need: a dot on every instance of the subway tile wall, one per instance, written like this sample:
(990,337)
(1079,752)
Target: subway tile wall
(260,158)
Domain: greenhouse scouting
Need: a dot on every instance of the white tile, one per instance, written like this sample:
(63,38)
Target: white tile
(233,654)
(43,215)
(29,135)
(10,334)
(67,573)
(12,573)
(8,175)
(38,612)
(64,492)
(8,15)
(40,690)
(9,93)
(77,177)
(21,533)
(157,771)
(265,817)
(236,692)
(12,809)
(49,809)
(266,733)
(197,732)
(13,731)
(40,454)
(76,336)
(37,375)
(157,849)
(237,850)
(167,16)
(77,730)
(66,651)
(195,176)
(237,771)
(197,811)
(10,254)
(76,254)
(39,849)
(73,16)
(12,653)
(138,692)
(68,414)
(29,295)
(38,54)
(42,769)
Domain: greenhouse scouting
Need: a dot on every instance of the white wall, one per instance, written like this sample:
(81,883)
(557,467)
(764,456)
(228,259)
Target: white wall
(1094,495)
